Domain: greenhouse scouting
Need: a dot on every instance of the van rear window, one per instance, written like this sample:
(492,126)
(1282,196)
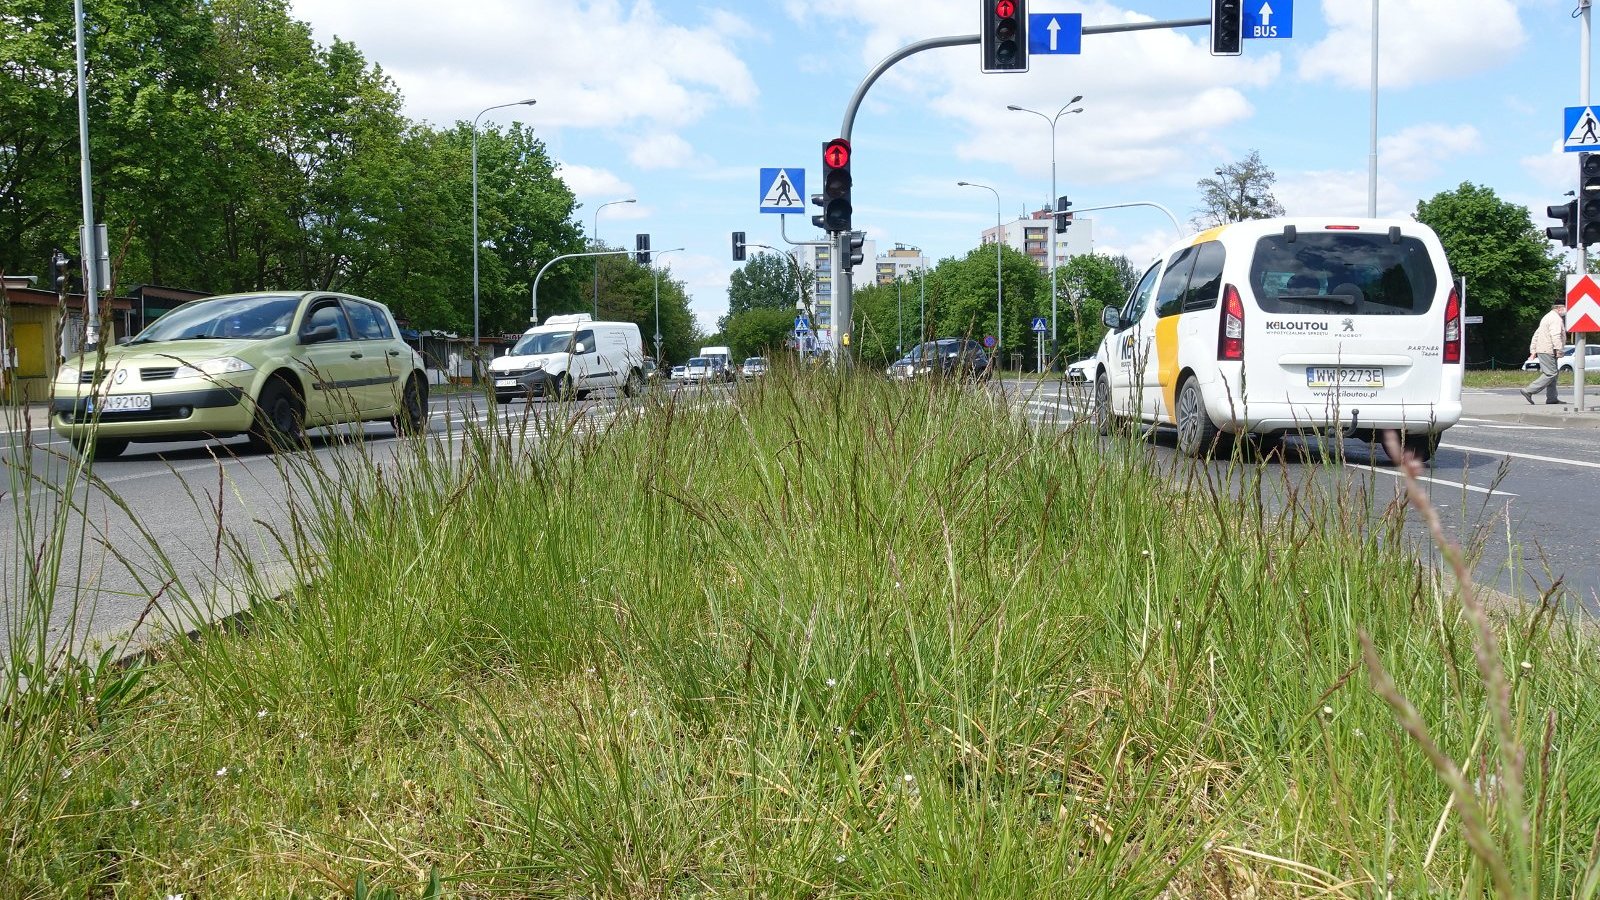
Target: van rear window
(1341,274)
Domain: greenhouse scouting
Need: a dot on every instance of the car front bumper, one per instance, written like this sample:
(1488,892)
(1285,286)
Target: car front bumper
(218,410)
(510,386)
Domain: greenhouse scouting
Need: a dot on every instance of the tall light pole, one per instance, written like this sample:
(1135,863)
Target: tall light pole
(91,253)
(656,268)
(596,234)
(475,224)
(1372,153)
(1064,111)
(999,283)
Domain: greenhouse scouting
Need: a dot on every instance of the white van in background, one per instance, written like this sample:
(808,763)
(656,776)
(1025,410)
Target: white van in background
(569,356)
(1283,326)
(721,360)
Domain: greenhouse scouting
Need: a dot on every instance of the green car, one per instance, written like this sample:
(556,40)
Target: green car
(268,365)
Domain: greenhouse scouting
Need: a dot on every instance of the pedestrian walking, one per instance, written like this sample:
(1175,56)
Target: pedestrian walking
(1548,339)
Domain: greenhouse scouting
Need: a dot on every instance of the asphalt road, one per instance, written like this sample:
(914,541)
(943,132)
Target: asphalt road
(159,519)
(1521,495)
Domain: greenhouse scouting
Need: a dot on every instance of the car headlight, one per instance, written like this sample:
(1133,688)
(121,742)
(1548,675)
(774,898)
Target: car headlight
(222,365)
(68,374)
(923,370)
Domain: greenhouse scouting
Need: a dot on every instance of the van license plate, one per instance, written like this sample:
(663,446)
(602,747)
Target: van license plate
(1343,376)
(121,403)
(505,382)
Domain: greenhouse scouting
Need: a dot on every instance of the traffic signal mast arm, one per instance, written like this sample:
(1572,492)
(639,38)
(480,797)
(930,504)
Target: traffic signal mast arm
(1079,209)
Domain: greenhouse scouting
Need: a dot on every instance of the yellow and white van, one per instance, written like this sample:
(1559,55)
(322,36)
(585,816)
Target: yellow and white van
(1286,326)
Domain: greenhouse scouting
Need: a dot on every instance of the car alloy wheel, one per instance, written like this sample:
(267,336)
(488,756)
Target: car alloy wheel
(1197,435)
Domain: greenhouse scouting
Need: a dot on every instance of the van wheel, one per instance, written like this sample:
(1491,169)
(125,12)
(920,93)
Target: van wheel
(1197,434)
(1104,421)
(562,389)
(634,385)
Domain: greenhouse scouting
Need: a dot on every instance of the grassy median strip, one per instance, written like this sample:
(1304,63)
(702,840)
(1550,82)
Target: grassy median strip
(838,638)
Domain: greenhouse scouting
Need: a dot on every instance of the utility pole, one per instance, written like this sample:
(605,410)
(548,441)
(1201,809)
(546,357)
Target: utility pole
(1580,255)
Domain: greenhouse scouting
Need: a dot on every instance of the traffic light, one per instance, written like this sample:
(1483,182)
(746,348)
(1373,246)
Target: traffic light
(819,220)
(738,246)
(1063,218)
(57,272)
(1567,231)
(641,249)
(836,181)
(857,254)
(1227,27)
(1588,222)
(1005,35)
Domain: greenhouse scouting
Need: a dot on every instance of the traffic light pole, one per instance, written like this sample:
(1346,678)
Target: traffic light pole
(1079,209)
(841,240)
(1580,254)
(533,315)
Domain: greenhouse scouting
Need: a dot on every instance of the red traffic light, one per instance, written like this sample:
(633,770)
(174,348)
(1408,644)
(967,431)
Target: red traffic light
(837,154)
(1005,9)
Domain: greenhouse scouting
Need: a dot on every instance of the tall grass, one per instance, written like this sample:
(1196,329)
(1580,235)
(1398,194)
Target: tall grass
(835,638)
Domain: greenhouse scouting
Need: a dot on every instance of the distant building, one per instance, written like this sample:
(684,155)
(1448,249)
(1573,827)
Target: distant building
(820,261)
(901,262)
(1032,234)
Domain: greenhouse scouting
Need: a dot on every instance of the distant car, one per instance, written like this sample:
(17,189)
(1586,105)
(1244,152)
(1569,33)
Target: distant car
(678,373)
(701,370)
(902,369)
(1569,355)
(1082,371)
(960,358)
(269,365)
(753,368)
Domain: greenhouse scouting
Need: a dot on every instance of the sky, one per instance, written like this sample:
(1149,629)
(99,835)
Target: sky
(679,103)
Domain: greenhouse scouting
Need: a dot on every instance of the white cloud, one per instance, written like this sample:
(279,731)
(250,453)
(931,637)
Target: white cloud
(706,279)
(589,184)
(661,150)
(1419,41)
(1342,193)
(1556,170)
(1417,152)
(590,63)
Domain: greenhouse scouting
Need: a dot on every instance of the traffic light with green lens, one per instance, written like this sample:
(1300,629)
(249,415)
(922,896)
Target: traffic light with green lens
(1004,35)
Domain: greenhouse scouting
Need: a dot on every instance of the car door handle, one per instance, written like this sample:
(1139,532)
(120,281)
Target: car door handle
(355,354)
(394,352)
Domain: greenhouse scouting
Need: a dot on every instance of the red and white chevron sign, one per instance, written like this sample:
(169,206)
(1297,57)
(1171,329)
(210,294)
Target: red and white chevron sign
(1583,303)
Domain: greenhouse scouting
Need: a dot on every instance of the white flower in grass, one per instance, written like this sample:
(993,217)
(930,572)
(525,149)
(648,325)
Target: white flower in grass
(839,858)
(174,897)
(1360,733)
(261,714)
(65,774)
(222,772)
(1327,710)
(831,683)
(1145,553)
(897,585)
(134,803)
(1177,624)
(1527,666)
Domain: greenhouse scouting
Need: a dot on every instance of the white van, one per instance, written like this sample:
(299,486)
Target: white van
(569,356)
(721,359)
(1284,326)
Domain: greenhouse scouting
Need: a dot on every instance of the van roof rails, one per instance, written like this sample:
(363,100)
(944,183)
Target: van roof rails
(572,319)
(1289,233)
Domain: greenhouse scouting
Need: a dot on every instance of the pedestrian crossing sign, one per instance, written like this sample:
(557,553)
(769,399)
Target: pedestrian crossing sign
(783,191)
(1582,132)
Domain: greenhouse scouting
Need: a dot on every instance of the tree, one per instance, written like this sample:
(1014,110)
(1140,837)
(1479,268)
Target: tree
(1511,275)
(766,281)
(759,331)
(1240,191)
(1090,282)
(961,296)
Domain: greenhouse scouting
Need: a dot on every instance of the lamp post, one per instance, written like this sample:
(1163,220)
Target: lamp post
(1064,111)
(999,288)
(656,269)
(597,241)
(475,224)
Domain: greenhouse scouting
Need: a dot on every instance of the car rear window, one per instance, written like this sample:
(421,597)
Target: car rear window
(1343,273)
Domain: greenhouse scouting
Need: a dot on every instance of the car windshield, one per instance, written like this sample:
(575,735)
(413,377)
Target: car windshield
(755,361)
(543,342)
(245,318)
(699,362)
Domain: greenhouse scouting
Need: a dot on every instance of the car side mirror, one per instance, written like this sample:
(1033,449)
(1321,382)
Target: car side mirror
(1111,317)
(580,347)
(319,335)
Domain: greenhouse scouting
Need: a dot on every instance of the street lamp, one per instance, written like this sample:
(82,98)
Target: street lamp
(999,289)
(656,268)
(1064,111)
(475,225)
(597,241)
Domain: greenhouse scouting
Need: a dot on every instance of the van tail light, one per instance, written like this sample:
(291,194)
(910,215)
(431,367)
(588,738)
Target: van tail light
(1230,333)
(1452,328)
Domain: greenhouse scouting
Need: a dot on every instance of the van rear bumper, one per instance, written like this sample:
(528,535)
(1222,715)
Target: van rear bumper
(1269,418)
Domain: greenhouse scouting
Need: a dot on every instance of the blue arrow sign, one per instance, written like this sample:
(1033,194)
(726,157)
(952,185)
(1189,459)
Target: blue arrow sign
(1269,18)
(1040,326)
(783,191)
(1581,132)
(1055,33)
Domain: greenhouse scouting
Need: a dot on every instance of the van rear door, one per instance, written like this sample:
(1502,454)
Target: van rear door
(1345,316)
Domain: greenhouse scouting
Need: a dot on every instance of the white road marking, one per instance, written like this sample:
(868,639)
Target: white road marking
(1455,484)
(1534,456)
(1491,423)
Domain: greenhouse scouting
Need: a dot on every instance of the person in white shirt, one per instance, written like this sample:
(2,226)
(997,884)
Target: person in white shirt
(1548,340)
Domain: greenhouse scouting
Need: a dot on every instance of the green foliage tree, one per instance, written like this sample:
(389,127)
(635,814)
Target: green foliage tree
(1239,191)
(1089,282)
(961,297)
(767,281)
(1511,275)
(762,331)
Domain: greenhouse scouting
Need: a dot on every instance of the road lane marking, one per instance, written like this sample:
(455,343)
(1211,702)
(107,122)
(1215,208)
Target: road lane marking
(1491,423)
(1447,483)
(1534,456)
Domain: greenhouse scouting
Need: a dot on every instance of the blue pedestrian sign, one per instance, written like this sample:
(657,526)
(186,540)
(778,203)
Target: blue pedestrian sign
(1269,18)
(801,324)
(1055,33)
(1040,326)
(783,191)
(1582,130)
